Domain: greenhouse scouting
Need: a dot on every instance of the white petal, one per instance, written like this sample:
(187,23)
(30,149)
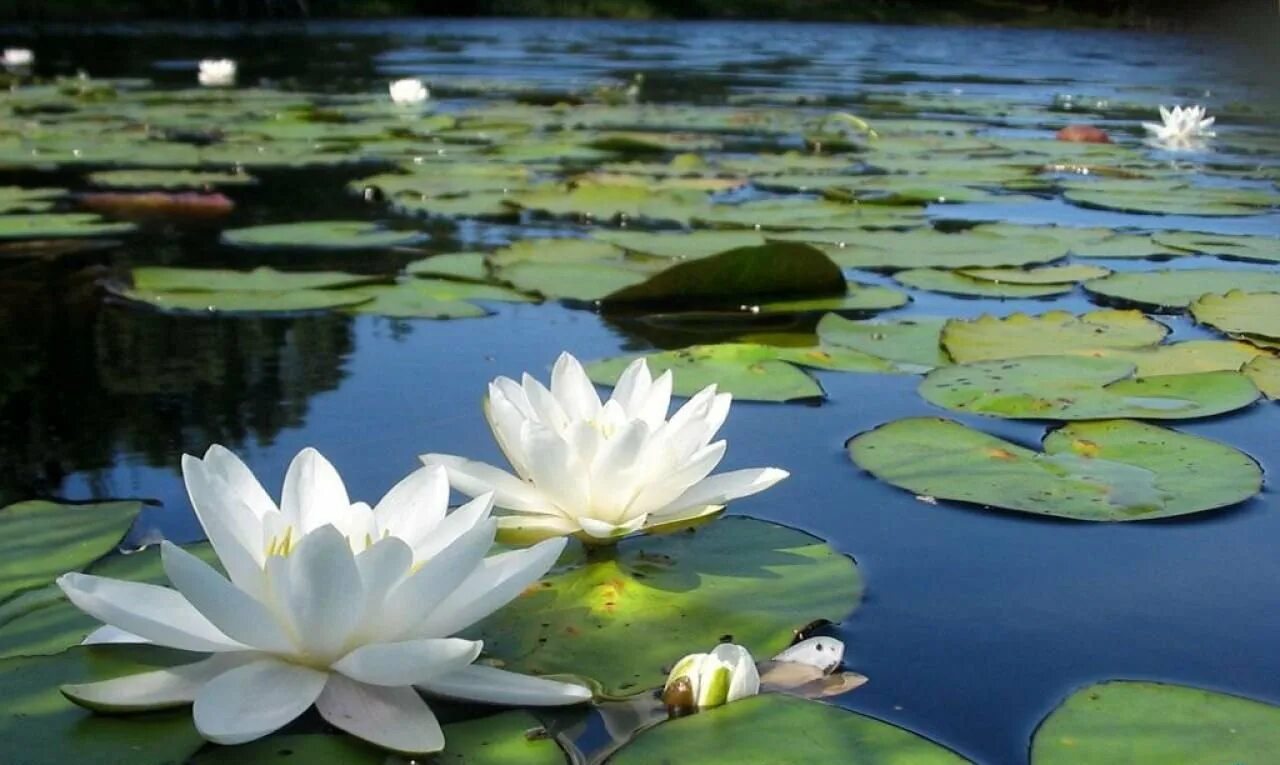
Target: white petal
(659,494)
(573,389)
(157,614)
(249,702)
(396,719)
(496,686)
(313,494)
(236,614)
(554,470)
(409,662)
(526,529)
(546,408)
(719,489)
(413,600)
(323,591)
(455,524)
(632,387)
(476,478)
(496,582)
(744,678)
(170,687)
(108,635)
(605,530)
(653,409)
(232,527)
(414,506)
(224,464)
(505,419)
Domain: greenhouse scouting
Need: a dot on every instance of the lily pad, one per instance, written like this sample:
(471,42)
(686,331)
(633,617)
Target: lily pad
(168,179)
(1177,289)
(469,266)
(683,246)
(607,202)
(772,728)
(857,297)
(1262,248)
(16,199)
(1122,246)
(914,341)
(320,235)
(1180,358)
(1169,198)
(1124,722)
(1082,388)
(755,581)
(586,281)
(956,283)
(1264,370)
(979,247)
(1113,470)
(433,299)
(247,301)
(1054,332)
(40,541)
(164,279)
(1042,275)
(814,214)
(58,226)
(1237,312)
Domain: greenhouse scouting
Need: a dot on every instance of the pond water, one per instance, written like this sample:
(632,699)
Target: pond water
(976,622)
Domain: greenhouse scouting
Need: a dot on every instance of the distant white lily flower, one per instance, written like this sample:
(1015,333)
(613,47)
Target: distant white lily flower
(707,680)
(343,606)
(603,471)
(217,72)
(18,57)
(1181,128)
(408,91)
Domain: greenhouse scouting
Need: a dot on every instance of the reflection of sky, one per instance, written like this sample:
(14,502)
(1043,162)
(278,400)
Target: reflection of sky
(975,623)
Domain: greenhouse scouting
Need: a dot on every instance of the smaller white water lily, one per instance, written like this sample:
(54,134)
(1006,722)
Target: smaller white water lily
(601,471)
(326,603)
(408,91)
(217,72)
(707,680)
(1180,128)
(18,57)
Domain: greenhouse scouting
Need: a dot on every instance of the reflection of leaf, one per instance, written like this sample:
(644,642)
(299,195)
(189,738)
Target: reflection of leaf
(755,581)
(1112,470)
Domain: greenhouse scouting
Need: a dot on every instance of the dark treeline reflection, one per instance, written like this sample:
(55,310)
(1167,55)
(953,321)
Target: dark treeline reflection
(83,381)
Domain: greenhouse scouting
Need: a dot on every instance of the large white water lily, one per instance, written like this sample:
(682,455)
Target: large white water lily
(601,471)
(706,680)
(1181,128)
(408,91)
(217,72)
(326,603)
(18,57)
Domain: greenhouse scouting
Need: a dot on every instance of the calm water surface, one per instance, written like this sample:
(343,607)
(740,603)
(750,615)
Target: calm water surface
(975,624)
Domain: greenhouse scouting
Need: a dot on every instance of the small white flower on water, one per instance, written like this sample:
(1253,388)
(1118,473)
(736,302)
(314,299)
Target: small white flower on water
(601,471)
(327,603)
(408,91)
(18,57)
(217,72)
(1180,128)
(706,680)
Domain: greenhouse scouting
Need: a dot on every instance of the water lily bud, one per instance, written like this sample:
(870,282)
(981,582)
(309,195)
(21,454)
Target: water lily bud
(706,680)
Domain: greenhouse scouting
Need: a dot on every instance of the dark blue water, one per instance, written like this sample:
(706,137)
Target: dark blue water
(975,624)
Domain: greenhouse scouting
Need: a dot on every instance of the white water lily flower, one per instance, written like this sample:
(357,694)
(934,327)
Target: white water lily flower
(601,471)
(1181,128)
(408,91)
(217,72)
(327,603)
(706,680)
(18,57)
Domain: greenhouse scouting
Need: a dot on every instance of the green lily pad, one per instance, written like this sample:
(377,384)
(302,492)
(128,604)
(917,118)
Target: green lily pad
(40,727)
(585,281)
(433,299)
(487,204)
(1054,332)
(1262,248)
(58,226)
(979,247)
(956,283)
(168,179)
(499,739)
(1264,370)
(469,266)
(16,199)
(1169,198)
(1042,275)
(40,541)
(857,297)
(445,179)
(605,202)
(683,246)
(792,214)
(774,269)
(1180,358)
(1112,470)
(1122,246)
(247,301)
(1237,312)
(773,728)
(320,235)
(1177,289)
(755,581)
(1082,388)
(261,279)
(1123,722)
(914,341)
(749,371)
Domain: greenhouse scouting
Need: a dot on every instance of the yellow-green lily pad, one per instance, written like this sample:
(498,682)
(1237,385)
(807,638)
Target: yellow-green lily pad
(956,283)
(1237,312)
(1176,289)
(1054,332)
(320,235)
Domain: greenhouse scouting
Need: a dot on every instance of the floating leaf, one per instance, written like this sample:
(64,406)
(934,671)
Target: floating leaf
(1042,275)
(1263,248)
(168,179)
(982,246)
(1265,372)
(609,202)
(1175,290)
(1124,722)
(1054,332)
(58,226)
(956,283)
(433,299)
(585,281)
(912,341)
(684,246)
(755,731)
(752,580)
(1179,358)
(1112,470)
(1082,388)
(165,279)
(453,265)
(1122,246)
(16,199)
(40,541)
(320,235)
(1169,198)
(791,214)
(247,301)
(1237,312)
(857,297)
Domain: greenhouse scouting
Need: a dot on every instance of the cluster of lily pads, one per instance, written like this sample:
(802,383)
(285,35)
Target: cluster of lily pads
(747,215)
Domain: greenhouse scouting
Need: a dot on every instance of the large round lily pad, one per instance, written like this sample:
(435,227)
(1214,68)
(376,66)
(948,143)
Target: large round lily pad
(774,728)
(1042,275)
(1237,312)
(1112,470)
(1158,197)
(1177,289)
(752,580)
(40,541)
(1124,722)
(1054,332)
(320,235)
(168,179)
(1082,388)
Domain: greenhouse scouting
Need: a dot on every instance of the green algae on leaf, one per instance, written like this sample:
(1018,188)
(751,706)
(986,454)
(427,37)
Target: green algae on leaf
(1111,470)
